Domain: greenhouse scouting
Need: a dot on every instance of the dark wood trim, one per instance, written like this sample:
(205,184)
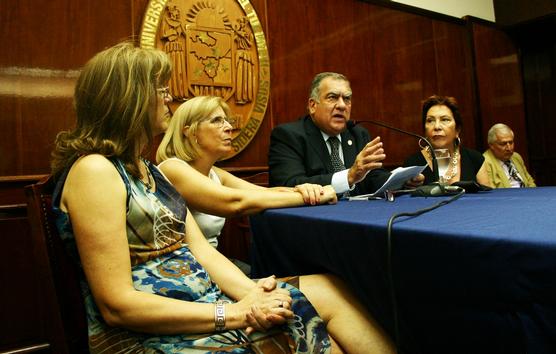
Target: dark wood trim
(255,169)
(533,33)
(469,23)
(22,178)
(511,13)
(36,348)
(11,190)
(13,208)
(416,10)
(481,21)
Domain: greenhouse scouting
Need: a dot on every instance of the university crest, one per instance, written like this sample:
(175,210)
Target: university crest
(217,48)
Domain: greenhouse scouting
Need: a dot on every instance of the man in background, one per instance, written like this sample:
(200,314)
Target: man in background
(505,167)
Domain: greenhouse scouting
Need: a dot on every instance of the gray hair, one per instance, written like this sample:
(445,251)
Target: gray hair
(499,127)
(314,93)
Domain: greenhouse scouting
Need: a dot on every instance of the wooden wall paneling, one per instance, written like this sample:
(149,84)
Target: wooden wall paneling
(42,120)
(10,128)
(405,73)
(537,42)
(394,59)
(11,190)
(539,65)
(23,306)
(31,124)
(48,42)
(511,12)
(22,309)
(499,83)
(454,74)
(536,76)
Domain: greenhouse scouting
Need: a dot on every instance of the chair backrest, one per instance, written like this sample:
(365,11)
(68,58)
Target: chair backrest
(260,178)
(64,309)
(235,240)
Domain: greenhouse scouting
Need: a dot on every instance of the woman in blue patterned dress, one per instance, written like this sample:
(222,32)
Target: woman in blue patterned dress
(151,281)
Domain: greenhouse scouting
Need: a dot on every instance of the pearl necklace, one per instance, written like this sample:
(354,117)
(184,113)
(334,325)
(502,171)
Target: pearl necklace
(453,170)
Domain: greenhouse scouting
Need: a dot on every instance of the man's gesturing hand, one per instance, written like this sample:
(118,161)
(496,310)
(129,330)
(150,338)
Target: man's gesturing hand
(369,158)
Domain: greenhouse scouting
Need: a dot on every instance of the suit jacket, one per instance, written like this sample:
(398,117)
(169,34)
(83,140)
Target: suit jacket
(298,154)
(497,176)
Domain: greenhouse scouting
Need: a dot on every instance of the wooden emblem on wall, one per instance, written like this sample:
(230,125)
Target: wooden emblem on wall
(218,48)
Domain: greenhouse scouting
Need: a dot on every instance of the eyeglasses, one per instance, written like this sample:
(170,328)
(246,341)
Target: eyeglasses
(165,91)
(220,121)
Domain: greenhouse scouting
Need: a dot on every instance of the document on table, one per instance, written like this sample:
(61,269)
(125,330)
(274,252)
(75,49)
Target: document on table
(396,181)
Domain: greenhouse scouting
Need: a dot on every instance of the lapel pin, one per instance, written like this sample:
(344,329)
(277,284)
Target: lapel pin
(350,142)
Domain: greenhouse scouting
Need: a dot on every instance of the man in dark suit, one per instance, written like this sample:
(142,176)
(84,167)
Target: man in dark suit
(300,151)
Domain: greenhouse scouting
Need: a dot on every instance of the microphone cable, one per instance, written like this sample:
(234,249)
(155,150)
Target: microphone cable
(389,269)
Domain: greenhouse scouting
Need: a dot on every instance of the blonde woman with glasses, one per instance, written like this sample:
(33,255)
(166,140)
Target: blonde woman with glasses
(198,136)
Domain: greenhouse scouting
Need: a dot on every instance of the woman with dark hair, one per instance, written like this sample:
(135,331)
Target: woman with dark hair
(442,126)
(151,282)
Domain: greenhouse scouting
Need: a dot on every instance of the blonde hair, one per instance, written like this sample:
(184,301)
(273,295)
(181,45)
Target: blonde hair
(115,100)
(190,113)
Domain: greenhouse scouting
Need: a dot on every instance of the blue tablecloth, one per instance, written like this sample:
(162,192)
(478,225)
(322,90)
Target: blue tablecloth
(475,276)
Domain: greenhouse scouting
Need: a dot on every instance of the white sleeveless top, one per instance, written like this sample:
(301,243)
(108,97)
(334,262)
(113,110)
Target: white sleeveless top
(210,225)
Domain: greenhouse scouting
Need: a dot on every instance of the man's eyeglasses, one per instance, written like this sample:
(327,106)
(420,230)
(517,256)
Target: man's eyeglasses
(164,91)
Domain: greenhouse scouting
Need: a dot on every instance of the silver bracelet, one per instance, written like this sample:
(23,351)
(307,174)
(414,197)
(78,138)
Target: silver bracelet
(220,316)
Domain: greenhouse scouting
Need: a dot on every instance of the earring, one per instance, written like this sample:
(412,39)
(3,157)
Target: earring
(421,146)
(457,142)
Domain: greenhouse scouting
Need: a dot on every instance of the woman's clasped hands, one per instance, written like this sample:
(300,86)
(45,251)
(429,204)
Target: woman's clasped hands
(264,306)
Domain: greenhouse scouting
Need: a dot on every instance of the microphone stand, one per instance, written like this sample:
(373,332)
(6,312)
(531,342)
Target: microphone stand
(353,123)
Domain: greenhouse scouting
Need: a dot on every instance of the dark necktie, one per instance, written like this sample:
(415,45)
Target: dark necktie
(337,163)
(513,173)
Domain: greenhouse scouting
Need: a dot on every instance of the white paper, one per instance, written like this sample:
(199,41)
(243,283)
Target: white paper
(396,181)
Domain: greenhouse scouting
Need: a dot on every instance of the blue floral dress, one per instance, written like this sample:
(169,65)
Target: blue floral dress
(162,264)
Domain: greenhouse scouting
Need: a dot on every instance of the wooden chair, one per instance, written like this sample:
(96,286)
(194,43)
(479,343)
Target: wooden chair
(235,240)
(66,327)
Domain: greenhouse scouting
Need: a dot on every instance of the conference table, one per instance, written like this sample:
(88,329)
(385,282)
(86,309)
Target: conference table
(477,275)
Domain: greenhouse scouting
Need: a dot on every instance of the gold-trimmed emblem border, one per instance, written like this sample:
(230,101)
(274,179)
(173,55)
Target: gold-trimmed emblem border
(148,39)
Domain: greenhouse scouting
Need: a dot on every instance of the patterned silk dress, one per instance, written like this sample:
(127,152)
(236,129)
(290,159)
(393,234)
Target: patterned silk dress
(163,264)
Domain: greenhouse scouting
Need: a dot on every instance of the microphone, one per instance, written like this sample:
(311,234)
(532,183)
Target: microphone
(431,190)
(352,123)
(436,190)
